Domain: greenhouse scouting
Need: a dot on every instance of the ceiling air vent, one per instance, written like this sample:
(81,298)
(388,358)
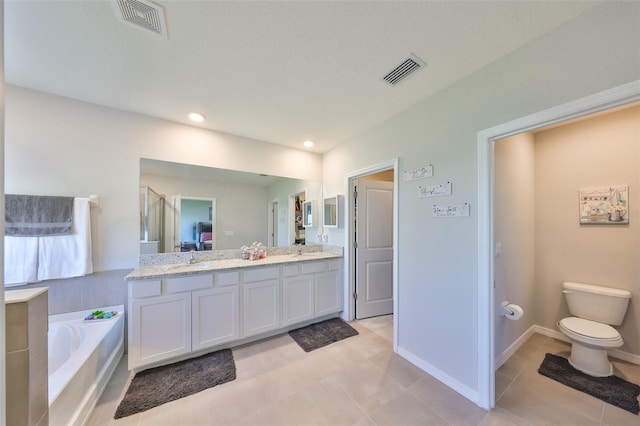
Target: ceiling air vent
(404,70)
(143,14)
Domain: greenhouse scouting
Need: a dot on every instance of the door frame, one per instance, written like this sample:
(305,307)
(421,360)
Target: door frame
(349,253)
(607,99)
(272,223)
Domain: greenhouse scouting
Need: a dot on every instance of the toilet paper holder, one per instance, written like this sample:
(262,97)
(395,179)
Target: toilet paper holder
(510,310)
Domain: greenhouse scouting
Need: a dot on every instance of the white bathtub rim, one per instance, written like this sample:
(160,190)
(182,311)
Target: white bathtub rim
(86,407)
(65,373)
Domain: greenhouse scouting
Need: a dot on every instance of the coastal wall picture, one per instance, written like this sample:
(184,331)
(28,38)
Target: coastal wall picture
(604,205)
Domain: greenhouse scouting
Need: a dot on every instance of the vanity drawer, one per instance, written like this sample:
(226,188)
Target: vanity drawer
(313,267)
(227,278)
(141,289)
(187,283)
(334,265)
(290,270)
(260,274)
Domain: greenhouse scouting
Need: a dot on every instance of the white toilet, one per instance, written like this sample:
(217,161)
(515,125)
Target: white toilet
(594,308)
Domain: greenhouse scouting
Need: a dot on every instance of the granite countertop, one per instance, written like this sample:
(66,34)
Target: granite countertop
(204,266)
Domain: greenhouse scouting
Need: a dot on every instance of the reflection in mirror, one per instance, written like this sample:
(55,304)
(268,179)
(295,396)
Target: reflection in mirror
(331,212)
(244,207)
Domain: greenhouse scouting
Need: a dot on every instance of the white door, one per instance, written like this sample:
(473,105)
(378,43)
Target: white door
(374,248)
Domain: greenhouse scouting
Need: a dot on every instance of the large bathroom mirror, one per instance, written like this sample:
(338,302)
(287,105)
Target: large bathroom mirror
(185,207)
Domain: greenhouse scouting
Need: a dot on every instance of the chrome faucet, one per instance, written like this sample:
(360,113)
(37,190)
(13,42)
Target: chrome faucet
(299,246)
(192,259)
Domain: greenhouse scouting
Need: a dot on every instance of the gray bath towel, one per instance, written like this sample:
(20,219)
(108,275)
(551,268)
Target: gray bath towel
(37,215)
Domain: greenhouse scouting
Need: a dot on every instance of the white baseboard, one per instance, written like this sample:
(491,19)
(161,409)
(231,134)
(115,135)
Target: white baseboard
(615,353)
(438,374)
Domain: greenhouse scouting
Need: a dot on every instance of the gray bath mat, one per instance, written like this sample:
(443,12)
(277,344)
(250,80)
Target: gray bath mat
(612,389)
(159,385)
(321,334)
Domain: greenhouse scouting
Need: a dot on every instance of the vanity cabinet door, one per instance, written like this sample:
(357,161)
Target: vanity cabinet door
(159,328)
(261,303)
(328,293)
(215,317)
(297,299)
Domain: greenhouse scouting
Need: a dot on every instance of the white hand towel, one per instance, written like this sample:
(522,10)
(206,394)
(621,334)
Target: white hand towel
(67,256)
(20,260)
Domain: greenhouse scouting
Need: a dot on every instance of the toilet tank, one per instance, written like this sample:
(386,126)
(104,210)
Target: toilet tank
(593,302)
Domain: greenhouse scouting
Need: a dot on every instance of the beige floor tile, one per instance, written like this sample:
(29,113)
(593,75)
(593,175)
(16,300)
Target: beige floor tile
(271,415)
(405,410)
(555,346)
(368,385)
(446,402)
(295,376)
(169,414)
(537,339)
(614,416)
(500,417)
(538,398)
(369,344)
(626,370)
(527,351)
(322,403)
(397,367)
(360,381)
(512,367)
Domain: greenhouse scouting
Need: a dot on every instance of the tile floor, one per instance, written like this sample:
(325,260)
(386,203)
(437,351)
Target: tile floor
(360,381)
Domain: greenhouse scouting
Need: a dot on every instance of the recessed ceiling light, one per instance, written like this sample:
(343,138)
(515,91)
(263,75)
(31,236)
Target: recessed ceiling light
(197,117)
(308,144)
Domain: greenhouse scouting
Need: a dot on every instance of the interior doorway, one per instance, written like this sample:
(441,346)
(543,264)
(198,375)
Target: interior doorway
(194,221)
(386,172)
(373,244)
(298,235)
(602,101)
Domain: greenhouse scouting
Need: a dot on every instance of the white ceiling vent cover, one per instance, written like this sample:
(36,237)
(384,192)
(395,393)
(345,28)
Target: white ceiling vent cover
(143,14)
(404,70)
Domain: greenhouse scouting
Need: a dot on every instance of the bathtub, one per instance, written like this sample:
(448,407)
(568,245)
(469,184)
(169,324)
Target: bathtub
(82,358)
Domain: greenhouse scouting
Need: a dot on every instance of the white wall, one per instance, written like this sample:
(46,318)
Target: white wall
(438,283)
(514,229)
(58,146)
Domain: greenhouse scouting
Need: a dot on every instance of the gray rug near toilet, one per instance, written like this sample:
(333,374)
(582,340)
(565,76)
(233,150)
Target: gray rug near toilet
(613,390)
(160,385)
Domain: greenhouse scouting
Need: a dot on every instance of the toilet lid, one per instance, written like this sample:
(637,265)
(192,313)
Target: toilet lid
(595,330)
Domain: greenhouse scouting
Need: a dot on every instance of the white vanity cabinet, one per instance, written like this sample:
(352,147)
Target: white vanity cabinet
(297,295)
(180,314)
(159,327)
(215,317)
(261,300)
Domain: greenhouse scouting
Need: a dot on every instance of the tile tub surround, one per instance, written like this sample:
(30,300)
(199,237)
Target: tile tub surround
(206,256)
(211,263)
(26,354)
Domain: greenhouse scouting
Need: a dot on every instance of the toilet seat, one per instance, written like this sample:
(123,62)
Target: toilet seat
(590,332)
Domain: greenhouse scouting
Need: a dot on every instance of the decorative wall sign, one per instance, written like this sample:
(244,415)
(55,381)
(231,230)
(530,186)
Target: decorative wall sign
(434,190)
(452,210)
(604,205)
(416,174)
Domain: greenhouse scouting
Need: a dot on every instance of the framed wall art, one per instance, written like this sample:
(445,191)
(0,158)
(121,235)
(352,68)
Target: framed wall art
(604,205)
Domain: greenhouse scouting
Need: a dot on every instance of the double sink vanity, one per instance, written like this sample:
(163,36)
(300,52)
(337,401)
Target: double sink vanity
(195,305)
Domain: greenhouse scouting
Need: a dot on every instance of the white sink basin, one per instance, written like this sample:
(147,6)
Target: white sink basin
(189,266)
